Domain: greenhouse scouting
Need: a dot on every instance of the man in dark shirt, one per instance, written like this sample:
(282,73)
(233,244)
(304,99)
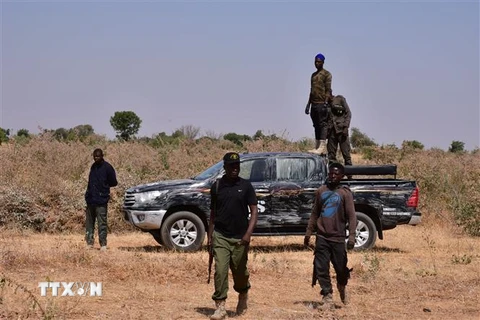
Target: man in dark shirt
(340,117)
(332,209)
(229,233)
(102,176)
(317,105)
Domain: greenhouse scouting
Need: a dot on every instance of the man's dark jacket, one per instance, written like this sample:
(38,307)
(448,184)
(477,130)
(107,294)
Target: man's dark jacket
(102,177)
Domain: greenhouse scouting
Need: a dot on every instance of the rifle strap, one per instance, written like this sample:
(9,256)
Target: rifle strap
(217,182)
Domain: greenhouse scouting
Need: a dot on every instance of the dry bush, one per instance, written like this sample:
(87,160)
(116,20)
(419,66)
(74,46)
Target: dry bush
(42,181)
(448,183)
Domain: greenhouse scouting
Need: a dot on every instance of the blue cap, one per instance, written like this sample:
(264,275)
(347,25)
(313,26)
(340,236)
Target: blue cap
(320,56)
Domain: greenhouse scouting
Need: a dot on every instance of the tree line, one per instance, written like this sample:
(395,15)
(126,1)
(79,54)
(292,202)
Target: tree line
(126,124)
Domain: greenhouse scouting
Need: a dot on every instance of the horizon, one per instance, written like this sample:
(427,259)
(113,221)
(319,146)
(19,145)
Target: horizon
(409,70)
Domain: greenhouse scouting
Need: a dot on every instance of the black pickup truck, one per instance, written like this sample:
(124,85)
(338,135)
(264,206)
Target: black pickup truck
(176,212)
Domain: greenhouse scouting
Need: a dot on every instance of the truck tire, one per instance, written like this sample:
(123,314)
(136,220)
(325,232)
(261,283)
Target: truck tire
(183,231)
(366,234)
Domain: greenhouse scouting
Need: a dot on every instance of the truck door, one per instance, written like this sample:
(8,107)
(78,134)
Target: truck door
(292,191)
(258,172)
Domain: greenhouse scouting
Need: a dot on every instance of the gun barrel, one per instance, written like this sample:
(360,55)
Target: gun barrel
(210,261)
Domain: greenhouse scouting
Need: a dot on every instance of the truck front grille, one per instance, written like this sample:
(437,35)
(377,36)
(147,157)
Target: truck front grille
(129,199)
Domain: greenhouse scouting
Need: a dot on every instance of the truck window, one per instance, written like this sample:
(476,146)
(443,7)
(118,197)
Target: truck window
(210,172)
(294,169)
(254,170)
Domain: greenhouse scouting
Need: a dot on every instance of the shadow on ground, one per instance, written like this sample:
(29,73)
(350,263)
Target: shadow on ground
(292,247)
(387,250)
(316,304)
(209,311)
(145,249)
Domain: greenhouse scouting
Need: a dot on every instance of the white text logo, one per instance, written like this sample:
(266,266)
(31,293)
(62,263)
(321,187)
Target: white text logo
(70,289)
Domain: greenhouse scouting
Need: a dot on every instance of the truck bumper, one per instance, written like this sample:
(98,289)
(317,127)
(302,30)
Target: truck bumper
(145,220)
(415,219)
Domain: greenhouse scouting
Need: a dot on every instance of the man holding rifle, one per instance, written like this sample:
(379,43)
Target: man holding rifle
(229,233)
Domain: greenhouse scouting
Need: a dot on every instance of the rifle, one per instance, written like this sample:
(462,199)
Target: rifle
(210,261)
(210,247)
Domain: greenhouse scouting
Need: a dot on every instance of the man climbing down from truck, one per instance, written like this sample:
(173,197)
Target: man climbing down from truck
(317,105)
(338,125)
(332,210)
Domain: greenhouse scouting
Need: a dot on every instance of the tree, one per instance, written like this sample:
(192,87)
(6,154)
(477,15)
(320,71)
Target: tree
(359,139)
(178,134)
(82,131)
(258,135)
(412,144)
(23,133)
(237,138)
(126,124)
(61,134)
(457,147)
(4,134)
(190,132)
(213,135)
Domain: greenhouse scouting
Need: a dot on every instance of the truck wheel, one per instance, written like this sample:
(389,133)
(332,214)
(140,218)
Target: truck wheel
(366,234)
(183,231)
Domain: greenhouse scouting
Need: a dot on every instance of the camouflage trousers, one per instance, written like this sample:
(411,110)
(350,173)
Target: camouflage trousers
(335,139)
(96,213)
(229,254)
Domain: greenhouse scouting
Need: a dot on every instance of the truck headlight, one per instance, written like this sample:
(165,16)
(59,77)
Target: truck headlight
(147,196)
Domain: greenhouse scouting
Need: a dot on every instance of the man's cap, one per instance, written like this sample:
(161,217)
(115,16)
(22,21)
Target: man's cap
(338,109)
(320,57)
(337,165)
(231,157)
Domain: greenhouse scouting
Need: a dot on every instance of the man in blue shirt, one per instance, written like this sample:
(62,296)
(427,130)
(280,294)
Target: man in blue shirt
(102,176)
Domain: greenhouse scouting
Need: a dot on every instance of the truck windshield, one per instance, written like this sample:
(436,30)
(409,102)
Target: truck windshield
(210,172)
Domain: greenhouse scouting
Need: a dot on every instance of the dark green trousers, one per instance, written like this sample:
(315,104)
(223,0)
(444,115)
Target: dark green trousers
(229,254)
(338,139)
(98,213)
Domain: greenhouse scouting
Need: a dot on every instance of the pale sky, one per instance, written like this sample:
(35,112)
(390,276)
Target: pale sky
(408,69)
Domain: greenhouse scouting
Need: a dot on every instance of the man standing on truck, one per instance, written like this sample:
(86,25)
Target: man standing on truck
(317,105)
(338,125)
(229,233)
(332,210)
(102,176)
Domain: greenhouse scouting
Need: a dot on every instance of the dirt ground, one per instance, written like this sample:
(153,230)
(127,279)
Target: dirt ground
(421,272)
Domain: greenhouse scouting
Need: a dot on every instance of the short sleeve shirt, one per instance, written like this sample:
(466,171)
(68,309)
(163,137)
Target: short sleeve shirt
(232,206)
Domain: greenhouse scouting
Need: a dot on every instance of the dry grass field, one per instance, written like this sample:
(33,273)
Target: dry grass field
(421,272)
(431,271)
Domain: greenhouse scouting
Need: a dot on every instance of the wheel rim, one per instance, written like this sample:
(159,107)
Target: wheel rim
(183,233)
(362,234)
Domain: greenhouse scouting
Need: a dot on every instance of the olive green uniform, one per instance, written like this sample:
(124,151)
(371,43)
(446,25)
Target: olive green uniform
(339,123)
(231,202)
